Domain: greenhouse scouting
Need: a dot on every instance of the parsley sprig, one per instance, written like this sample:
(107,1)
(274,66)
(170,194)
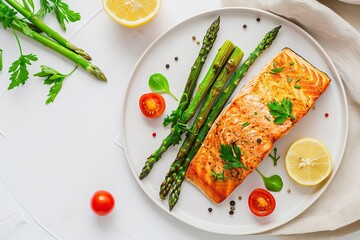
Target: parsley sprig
(227,152)
(19,73)
(53,78)
(281,111)
(62,11)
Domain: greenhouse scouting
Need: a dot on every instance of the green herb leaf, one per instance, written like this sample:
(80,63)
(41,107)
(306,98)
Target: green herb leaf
(281,112)
(175,114)
(274,157)
(218,176)
(276,70)
(29,5)
(245,124)
(8,14)
(227,154)
(45,8)
(64,13)
(53,78)
(273,183)
(159,84)
(18,69)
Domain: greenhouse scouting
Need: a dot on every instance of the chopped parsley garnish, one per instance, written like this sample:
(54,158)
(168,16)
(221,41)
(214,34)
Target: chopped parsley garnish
(292,63)
(276,70)
(227,154)
(274,157)
(245,124)
(218,176)
(267,118)
(289,79)
(281,112)
(297,86)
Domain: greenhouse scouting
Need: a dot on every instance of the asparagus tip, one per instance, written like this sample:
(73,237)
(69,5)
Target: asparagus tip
(82,53)
(96,72)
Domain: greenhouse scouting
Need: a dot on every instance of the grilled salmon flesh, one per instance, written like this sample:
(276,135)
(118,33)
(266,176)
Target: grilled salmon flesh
(247,122)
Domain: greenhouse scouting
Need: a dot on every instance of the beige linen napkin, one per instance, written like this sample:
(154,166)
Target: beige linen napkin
(340,203)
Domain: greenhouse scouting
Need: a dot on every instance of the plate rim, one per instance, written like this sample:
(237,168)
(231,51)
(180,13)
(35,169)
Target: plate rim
(326,58)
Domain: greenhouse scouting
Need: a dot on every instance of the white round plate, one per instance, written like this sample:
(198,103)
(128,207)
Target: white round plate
(192,207)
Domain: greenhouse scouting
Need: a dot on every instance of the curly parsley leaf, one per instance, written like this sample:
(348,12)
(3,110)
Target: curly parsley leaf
(8,14)
(45,8)
(64,13)
(173,117)
(53,78)
(281,112)
(227,154)
(176,114)
(18,69)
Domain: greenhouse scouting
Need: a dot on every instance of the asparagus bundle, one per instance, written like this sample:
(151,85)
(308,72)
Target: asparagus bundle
(36,21)
(177,130)
(175,188)
(214,92)
(207,44)
(33,27)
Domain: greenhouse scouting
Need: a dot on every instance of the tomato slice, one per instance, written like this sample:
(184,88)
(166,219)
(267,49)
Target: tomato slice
(152,104)
(261,202)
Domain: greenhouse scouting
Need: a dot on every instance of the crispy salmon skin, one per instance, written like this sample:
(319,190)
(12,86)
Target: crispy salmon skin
(248,123)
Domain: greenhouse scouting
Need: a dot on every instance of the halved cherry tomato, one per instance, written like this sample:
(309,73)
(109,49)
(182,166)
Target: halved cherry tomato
(152,104)
(261,202)
(102,202)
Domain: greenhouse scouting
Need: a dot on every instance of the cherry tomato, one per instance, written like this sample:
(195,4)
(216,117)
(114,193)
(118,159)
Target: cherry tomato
(152,104)
(261,202)
(102,202)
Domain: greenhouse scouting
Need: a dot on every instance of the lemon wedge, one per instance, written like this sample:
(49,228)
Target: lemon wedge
(132,13)
(308,161)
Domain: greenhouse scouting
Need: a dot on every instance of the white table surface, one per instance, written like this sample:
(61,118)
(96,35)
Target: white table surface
(54,157)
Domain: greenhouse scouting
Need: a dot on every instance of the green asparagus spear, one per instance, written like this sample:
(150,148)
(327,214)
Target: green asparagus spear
(176,131)
(214,92)
(77,59)
(207,44)
(175,188)
(46,29)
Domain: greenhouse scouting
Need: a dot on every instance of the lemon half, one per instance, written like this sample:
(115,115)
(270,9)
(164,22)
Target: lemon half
(132,13)
(308,161)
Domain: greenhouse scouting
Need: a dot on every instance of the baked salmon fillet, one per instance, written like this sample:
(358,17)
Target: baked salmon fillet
(247,122)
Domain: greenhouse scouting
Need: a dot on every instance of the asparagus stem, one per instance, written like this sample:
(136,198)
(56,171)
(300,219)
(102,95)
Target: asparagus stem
(176,131)
(175,188)
(214,92)
(207,44)
(46,29)
(79,60)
